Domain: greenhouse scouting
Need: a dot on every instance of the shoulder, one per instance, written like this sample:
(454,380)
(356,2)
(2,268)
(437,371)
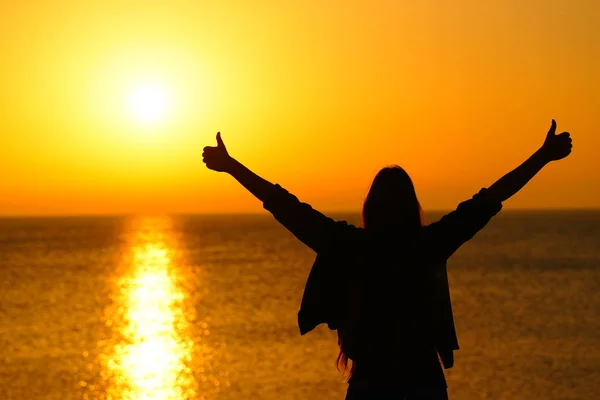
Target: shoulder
(348,234)
(345,239)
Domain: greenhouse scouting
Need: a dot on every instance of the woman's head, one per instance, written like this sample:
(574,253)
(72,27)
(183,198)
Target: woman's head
(391,204)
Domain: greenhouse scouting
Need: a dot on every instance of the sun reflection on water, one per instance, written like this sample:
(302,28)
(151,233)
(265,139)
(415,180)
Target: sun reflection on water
(151,360)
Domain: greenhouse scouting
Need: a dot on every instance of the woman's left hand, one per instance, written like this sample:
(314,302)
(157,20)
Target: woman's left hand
(217,158)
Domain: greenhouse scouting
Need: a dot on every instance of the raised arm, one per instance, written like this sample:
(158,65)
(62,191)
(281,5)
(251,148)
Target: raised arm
(310,226)
(459,226)
(555,147)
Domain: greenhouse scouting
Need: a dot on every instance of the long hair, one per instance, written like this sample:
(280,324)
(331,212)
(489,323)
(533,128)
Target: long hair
(391,207)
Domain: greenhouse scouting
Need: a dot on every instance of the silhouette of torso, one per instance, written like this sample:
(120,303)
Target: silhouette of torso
(388,322)
(387,295)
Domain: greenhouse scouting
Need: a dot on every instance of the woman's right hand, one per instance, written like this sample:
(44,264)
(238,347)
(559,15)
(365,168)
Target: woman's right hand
(555,146)
(217,158)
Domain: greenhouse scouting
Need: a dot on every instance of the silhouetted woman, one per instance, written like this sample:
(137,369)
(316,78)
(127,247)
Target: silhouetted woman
(384,287)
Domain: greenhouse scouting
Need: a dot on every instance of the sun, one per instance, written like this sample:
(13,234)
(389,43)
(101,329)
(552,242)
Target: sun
(148,103)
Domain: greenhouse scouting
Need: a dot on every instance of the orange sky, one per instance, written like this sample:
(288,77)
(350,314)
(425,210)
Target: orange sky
(316,95)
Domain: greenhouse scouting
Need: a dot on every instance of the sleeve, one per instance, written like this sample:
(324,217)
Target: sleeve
(311,227)
(459,226)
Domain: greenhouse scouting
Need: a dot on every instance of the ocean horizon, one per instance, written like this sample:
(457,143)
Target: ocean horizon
(201,306)
(332,213)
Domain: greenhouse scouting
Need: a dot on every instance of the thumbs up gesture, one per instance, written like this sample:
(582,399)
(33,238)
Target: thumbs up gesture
(555,146)
(217,158)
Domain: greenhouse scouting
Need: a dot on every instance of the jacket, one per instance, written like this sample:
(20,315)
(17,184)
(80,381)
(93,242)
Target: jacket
(323,297)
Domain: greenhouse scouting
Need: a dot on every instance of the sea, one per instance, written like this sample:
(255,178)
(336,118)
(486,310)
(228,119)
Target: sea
(205,307)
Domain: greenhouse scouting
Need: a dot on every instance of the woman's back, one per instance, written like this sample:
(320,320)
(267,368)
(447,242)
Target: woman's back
(388,325)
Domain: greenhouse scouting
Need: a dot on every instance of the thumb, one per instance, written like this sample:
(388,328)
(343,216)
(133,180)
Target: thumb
(552,130)
(219,140)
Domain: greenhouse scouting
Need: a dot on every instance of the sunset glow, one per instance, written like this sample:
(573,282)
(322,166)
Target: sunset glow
(106,107)
(148,103)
